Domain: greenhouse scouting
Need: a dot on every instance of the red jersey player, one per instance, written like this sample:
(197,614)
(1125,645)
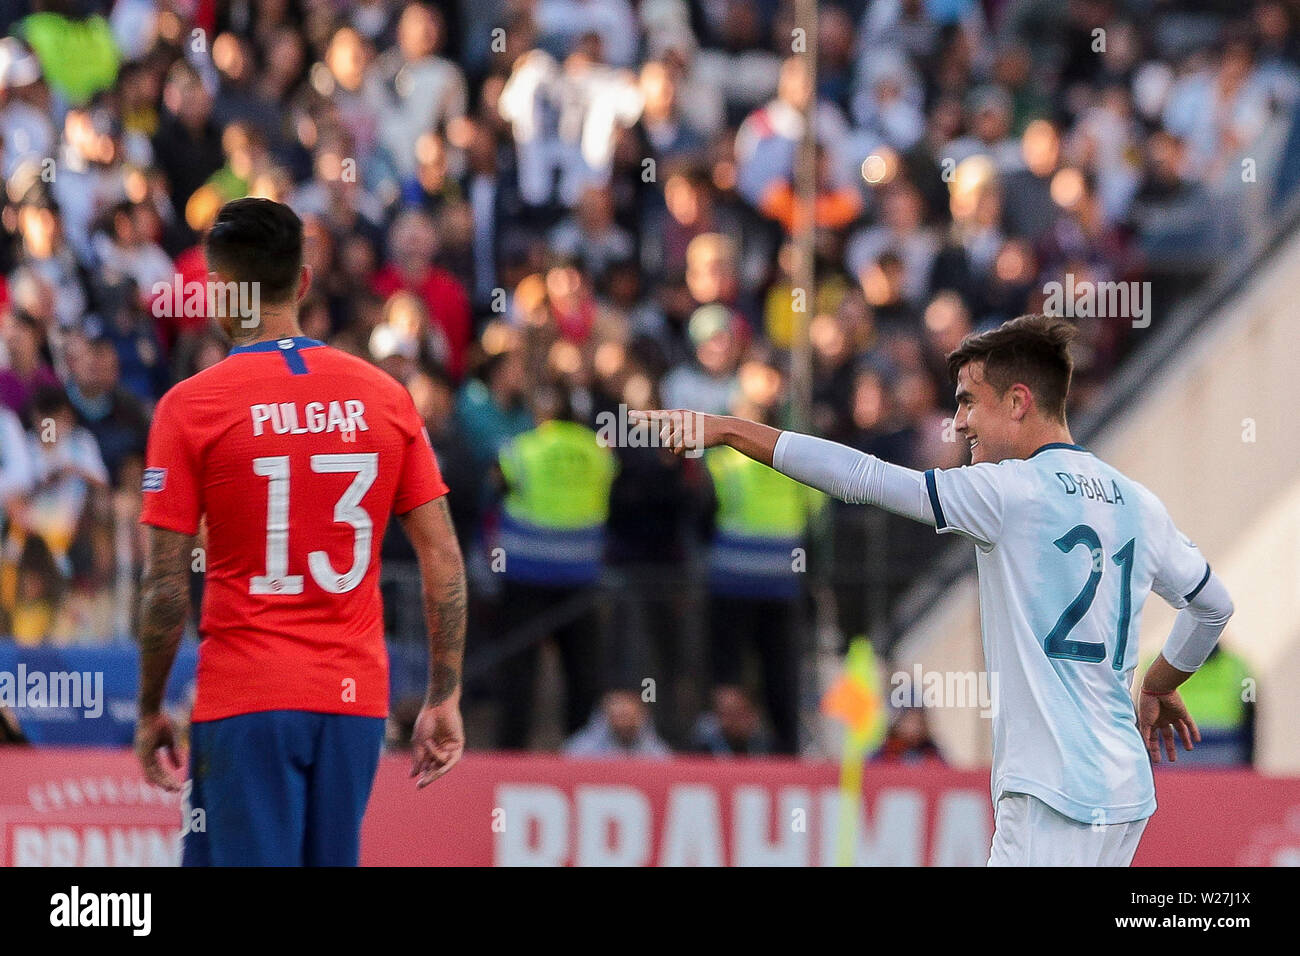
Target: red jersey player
(296,454)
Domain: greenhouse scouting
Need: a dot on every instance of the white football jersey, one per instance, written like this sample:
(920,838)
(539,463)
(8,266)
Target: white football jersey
(1067,550)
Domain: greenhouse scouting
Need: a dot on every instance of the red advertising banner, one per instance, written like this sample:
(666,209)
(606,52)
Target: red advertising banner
(91,808)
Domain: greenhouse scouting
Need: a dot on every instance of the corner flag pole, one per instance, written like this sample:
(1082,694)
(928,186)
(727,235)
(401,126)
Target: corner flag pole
(855,700)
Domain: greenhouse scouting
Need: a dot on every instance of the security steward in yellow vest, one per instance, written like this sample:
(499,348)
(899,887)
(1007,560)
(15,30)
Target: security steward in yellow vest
(547,549)
(757,574)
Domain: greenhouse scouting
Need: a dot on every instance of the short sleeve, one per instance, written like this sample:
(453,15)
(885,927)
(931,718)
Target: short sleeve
(421,480)
(1181,569)
(970,500)
(171,472)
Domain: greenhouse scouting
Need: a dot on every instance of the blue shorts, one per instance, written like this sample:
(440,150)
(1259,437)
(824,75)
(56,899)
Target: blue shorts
(280,788)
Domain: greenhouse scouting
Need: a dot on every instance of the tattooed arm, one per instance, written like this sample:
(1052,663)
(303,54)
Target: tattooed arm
(439,739)
(442,574)
(164,605)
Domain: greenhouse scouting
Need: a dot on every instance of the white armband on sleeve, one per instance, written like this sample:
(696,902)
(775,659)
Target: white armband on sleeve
(1197,627)
(852,476)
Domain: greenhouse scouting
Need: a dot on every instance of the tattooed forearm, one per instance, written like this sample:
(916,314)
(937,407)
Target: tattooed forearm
(446,614)
(164,605)
(445,608)
(442,572)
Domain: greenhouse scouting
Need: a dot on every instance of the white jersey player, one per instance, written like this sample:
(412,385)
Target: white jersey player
(1067,550)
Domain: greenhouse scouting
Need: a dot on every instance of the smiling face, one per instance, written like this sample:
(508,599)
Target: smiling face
(986,421)
(1012,386)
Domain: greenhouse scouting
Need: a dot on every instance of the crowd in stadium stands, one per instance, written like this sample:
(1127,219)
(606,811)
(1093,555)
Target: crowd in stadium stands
(533,211)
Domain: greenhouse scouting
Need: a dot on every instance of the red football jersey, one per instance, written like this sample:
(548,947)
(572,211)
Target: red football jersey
(296,454)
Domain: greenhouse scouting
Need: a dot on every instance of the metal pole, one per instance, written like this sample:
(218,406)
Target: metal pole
(804,232)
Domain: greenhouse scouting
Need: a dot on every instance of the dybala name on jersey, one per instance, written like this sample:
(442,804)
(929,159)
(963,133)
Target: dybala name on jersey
(1091,488)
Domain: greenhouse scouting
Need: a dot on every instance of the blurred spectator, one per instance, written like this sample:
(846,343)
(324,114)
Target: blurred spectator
(689,210)
(45,254)
(620,727)
(354,90)
(758,565)
(834,206)
(434,397)
(1219,111)
(430,186)
(1029,208)
(412,247)
(67,467)
(26,127)
(732,728)
(137,360)
(240,100)
(491,407)
(768,139)
(662,129)
(657,516)
(783,306)
(123,251)
(110,413)
(75,46)
(25,368)
(426,91)
(901,233)
(908,739)
(557,479)
(38,588)
(591,236)
(990,110)
(15,467)
(561,23)
(710,383)
(492,191)
(187,146)
(563,118)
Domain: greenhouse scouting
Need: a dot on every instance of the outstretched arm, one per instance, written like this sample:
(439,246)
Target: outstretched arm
(687,432)
(842,472)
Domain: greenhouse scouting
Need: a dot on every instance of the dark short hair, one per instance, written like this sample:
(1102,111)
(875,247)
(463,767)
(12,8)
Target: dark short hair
(257,240)
(47,400)
(1032,350)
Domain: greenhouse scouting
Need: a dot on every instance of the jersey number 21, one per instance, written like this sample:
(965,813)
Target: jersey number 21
(1058,643)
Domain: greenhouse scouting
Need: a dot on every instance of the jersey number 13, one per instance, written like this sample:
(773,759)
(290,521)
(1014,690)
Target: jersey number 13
(347,510)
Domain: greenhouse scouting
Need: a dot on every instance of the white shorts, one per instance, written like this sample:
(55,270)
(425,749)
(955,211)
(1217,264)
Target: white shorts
(1027,832)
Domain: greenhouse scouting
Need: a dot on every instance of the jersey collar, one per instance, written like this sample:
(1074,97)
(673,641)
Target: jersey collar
(1058,444)
(275,345)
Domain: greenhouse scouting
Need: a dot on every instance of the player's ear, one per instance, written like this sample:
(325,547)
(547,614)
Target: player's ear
(304,281)
(1022,400)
